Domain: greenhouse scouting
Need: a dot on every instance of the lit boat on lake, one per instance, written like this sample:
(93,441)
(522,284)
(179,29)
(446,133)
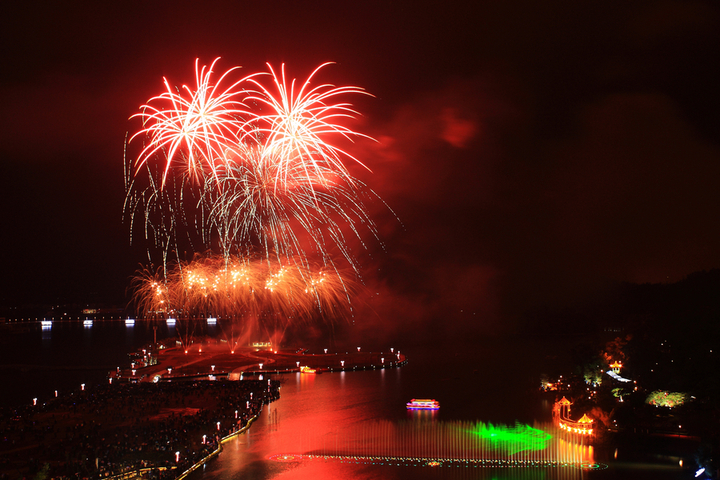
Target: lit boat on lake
(423,404)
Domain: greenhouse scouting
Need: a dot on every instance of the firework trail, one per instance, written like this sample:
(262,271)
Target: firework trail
(196,129)
(286,219)
(250,168)
(297,124)
(268,176)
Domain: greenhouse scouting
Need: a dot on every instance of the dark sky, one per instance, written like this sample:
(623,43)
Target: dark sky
(534,152)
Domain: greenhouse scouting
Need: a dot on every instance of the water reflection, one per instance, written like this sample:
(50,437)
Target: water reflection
(422,415)
(314,411)
(87,337)
(46,334)
(356,422)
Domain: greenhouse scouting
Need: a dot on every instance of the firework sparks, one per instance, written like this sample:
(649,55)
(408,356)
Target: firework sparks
(298,123)
(193,127)
(251,208)
(266,182)
(217,286)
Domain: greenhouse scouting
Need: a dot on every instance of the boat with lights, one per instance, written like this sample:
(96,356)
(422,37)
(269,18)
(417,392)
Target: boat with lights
(423,404)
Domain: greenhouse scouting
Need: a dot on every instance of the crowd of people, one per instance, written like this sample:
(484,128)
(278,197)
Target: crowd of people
(160,430)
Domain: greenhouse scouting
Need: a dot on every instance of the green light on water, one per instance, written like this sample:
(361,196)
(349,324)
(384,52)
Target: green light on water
(512,439)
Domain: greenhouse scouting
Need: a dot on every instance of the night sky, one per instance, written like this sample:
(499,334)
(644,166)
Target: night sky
(536,154)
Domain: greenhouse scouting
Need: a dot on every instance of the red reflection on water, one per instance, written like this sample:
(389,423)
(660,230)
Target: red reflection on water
(324,416)
(314,422)
(355,413)
(422,415)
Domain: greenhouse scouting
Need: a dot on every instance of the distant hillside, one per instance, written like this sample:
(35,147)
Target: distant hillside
(687,308)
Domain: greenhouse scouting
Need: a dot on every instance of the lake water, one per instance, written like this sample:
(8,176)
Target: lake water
(343,414)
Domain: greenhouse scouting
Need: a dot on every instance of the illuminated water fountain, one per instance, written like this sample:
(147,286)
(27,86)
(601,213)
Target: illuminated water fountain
(432,443)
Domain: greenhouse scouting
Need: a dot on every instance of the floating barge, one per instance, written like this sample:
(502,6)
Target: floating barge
(423,404)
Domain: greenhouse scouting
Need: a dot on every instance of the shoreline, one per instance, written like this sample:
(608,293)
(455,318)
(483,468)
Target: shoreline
(213,359)
(116,431)
(219,450)
(131,425)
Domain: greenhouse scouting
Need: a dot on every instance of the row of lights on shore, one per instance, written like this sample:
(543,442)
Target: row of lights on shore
(35,400)
(580,430)
(261,365)
(62,319)
(128,322)
(131,321)
(88,321)
(47,324)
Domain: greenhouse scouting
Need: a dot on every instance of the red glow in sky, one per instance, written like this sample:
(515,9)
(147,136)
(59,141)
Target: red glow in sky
(535,154)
